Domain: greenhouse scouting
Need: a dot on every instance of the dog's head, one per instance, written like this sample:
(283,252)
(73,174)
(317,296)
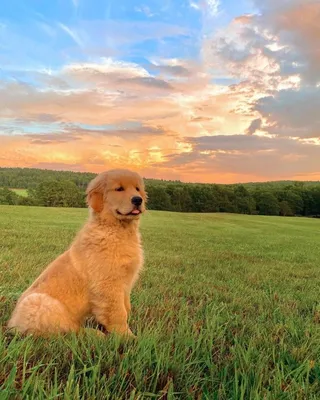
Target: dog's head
(120,193)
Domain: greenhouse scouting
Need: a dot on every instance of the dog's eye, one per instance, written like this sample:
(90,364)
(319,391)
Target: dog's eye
(120,189)
(137,189)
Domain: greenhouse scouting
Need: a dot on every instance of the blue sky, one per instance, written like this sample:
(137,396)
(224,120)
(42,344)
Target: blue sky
(47,34)
(197,90)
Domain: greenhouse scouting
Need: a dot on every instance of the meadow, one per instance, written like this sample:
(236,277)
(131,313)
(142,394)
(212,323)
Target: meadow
(21,192)
(227,307)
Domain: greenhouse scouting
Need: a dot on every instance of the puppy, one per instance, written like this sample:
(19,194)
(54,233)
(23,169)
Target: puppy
(96,274)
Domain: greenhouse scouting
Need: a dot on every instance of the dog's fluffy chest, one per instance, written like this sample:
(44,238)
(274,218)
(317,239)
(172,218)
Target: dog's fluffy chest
(123,257)
(114,254)
(119,265)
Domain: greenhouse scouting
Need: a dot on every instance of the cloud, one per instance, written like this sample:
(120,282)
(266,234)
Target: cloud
(194,5)
(93,151)
(248,157)
(254,126)
(72,33)
(173,70)
(119,76)
(44,139)
(123,33)
(58,166)
(69,132)
(292,112)
(281,40)
(295,23)
(275,55)
(104,93)
(285,35)
(145,10)
(243,106)
(124,130)
(149,82)
(213,6)
(105,67)
(46,118)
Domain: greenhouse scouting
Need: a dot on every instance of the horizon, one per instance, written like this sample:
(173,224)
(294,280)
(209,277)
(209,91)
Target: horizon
(200,91)
(173,180)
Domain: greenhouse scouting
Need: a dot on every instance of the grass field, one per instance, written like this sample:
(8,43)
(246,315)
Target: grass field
(228,307)
(21,192)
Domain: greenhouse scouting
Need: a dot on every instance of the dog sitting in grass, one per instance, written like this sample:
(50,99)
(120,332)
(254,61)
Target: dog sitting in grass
(96,274)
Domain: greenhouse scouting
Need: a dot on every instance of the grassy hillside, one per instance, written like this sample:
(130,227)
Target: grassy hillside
(228,307)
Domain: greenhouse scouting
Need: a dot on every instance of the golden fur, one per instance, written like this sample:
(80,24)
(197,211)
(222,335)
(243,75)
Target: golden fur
(96,274)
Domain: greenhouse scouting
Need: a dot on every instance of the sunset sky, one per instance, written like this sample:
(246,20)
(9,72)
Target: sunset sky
(198,90)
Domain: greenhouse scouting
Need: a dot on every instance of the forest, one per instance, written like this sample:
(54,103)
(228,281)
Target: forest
(67,189)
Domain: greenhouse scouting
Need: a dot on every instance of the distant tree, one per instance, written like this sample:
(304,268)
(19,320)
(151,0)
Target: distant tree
(307,200)
(27,201)
(185,199)
(315,204)
(267,203)
(203,199)
(225,198)
(55,193)
(26,178)
(159,199)
(180,198)
(269,198)
(285,209)
(292,195)
(8,197)
(243,200)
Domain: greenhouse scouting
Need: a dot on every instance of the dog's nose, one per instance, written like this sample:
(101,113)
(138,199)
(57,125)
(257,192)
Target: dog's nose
(136,201)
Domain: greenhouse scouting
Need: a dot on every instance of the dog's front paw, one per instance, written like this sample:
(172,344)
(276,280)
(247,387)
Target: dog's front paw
(92,331)
(130,334)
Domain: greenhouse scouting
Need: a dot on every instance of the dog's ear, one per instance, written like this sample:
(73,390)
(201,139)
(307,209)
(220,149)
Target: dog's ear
(144,191)
(95,192)
(146,195)
(95,201)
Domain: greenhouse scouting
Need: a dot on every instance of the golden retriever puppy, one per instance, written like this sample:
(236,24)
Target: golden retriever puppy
(96,274)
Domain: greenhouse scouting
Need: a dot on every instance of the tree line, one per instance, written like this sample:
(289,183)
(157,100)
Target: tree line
(67,189)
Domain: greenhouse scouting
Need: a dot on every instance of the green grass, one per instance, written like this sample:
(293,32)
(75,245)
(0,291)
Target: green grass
(21,192)
(228,307)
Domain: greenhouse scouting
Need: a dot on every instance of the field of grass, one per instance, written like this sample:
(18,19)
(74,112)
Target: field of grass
(21,192)
(228,307)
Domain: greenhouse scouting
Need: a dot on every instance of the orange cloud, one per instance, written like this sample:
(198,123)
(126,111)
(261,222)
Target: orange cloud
(229,118)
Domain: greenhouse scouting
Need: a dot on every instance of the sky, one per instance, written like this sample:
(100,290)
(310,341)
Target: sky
(196,90)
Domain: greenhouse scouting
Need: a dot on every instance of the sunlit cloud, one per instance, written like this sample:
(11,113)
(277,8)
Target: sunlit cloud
(163,89)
